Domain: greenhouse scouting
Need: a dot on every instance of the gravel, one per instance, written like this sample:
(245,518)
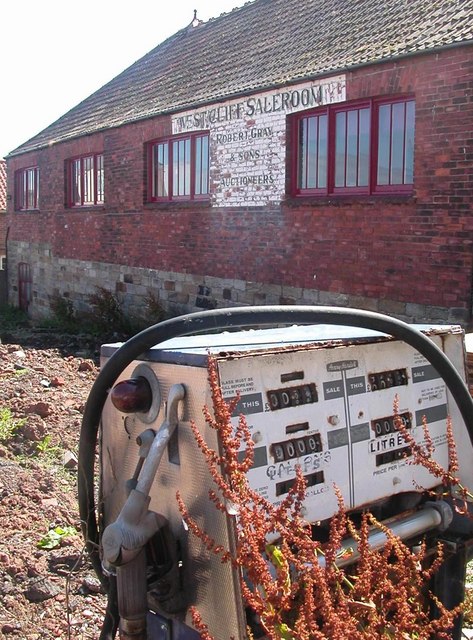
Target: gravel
(48,593)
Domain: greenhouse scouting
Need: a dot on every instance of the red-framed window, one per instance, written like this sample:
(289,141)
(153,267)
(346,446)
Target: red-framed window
(27,189)
(395,144)
(85,181)
(179,168)
(365,147)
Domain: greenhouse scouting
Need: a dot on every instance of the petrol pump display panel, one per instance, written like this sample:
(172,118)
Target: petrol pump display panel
(331,411)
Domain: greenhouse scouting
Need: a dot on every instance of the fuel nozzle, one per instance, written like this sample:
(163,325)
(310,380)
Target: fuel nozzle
(124,541)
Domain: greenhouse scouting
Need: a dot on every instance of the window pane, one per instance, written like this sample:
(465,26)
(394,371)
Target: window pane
(88,168)
(312,160)
(30,189)
(19,200)
(409,144)
(397,143)
(187,161)
(181,167)
(100,179)
(302,155)
(352,149)
(201,165)
(352,144)
(322,153)
(198,165)
(175,168)
(76,182)
(24,195)
(384,143)
(205,165)
(85,178)
(19,190)
(364,147)
(161,170)
(340,148)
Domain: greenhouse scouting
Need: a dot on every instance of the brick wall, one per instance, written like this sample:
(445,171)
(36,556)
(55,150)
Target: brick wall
(411,253)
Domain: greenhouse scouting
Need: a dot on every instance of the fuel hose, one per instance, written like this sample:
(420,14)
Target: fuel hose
(210,322)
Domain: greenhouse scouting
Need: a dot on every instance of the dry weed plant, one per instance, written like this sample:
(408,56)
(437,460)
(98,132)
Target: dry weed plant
(292,593)
(422,454)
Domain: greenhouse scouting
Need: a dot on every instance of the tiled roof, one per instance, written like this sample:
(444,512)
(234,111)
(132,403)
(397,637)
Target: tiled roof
(265,43)
(3,185)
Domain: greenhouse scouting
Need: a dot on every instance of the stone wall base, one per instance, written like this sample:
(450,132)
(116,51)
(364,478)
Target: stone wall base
(180,293)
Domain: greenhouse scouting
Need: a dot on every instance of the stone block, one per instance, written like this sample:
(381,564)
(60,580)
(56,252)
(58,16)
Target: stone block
(392,307)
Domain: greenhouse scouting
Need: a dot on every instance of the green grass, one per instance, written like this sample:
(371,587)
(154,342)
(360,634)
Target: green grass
(8,425)
(46,448)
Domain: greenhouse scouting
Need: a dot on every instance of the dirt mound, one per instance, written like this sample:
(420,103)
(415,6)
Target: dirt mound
(47,587)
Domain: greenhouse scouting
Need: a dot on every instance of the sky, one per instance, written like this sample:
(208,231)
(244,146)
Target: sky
(55,53)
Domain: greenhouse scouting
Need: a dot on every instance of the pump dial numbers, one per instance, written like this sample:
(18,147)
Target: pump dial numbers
(311,480)
(295,448)
(292,396)
(393,456)
(387,379)
(385,426)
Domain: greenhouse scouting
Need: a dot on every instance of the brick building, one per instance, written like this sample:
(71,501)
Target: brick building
(286,152)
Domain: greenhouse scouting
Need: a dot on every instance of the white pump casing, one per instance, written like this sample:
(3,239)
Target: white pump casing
(308,397)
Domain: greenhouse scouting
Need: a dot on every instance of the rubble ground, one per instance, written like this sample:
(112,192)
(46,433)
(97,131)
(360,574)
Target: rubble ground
(48,589)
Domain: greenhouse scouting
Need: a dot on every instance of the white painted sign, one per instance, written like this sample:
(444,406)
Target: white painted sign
(248,140)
